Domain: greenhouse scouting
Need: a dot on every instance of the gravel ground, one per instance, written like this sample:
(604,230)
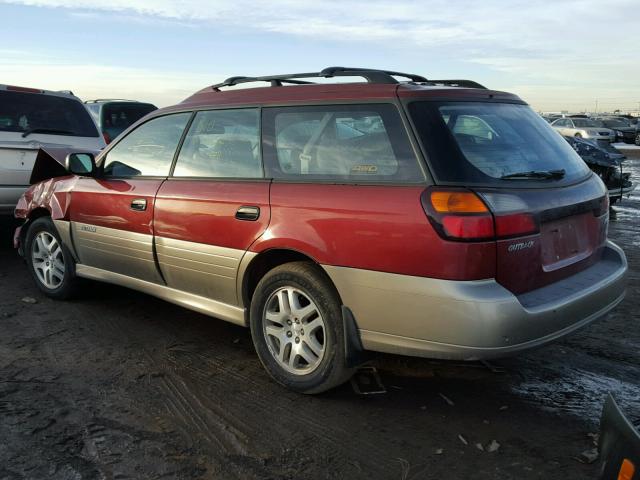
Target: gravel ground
(117,385)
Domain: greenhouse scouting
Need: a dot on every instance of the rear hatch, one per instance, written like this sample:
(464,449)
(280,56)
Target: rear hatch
(30,118)
(546,211)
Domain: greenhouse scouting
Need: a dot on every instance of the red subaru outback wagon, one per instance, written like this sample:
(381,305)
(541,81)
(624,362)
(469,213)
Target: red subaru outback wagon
(433,218)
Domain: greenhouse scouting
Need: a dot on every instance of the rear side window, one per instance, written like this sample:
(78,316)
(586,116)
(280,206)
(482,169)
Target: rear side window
(222,143)
(353,143)
(148,150)
(44,114)
(480,143)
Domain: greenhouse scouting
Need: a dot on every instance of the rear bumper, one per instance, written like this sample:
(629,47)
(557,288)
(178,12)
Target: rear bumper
(473,320)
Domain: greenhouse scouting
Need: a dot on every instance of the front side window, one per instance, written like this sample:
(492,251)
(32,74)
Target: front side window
(485,143)
(222,143)
(148,150)
(361,143)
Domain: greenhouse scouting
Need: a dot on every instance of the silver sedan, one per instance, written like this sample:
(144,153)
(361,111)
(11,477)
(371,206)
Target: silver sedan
(584,128)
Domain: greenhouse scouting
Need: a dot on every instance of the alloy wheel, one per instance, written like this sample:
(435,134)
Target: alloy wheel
(294,330)
(48,260)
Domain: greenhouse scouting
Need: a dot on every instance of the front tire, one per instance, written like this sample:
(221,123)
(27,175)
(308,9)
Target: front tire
(49,260)
(297,328)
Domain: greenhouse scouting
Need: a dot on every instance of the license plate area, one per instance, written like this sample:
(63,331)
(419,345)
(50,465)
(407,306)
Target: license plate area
(566,241)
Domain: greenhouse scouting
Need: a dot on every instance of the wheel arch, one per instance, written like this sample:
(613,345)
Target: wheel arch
(259,265)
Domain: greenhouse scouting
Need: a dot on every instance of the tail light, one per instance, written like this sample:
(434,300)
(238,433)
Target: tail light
(462,215)
(107,138)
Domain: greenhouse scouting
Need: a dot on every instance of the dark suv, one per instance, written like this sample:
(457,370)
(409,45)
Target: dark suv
(433,218)
(114,116)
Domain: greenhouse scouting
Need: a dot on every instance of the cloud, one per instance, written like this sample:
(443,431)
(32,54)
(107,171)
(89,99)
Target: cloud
(100,81)
(585,43)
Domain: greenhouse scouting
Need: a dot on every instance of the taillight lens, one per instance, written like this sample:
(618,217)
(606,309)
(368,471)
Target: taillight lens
(462,215)
(458,214)
(107,138)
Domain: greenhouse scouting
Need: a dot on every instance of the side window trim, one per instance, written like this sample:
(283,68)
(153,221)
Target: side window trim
(176,154)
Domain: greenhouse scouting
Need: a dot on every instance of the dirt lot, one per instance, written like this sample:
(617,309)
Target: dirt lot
(120,385)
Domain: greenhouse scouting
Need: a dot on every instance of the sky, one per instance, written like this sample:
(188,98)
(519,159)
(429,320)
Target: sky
(557,55)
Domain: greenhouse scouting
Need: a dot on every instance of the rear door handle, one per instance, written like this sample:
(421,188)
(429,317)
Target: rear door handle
(139,204)
(248,213)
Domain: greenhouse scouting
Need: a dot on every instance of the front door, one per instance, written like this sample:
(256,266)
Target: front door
(112,215)
(214,206)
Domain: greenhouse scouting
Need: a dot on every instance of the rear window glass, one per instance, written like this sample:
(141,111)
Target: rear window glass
(476,142)
(354,143)
(44,114)
(117,117)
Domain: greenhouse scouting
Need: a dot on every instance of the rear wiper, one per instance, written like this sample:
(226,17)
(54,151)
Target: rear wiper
(542,174)
(46,130)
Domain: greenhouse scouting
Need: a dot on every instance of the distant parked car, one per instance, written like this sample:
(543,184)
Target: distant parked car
(624,130)
(115,116)
(31,118)
(606,162)
(584,128)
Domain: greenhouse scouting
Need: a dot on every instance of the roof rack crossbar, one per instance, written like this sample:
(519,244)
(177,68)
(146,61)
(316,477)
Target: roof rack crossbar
(369,74)
(458,83)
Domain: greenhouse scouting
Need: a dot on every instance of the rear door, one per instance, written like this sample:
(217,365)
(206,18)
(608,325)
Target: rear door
(214,205)
(112,215)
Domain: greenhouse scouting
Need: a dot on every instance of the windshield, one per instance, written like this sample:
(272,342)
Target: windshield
(117,117)
(46,114)
(615,122)
(480,143)
(587,122)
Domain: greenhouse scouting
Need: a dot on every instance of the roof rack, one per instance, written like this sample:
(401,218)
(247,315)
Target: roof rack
(369,74)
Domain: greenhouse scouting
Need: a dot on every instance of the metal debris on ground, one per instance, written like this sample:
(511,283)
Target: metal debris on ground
(588,456)
(366,381)
(446,399)
(29,300)
(439,451)
(493,446)
(479,447)
(463,440)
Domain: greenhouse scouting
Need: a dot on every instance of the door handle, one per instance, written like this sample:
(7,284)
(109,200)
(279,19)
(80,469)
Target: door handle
(248,213)
(139,204)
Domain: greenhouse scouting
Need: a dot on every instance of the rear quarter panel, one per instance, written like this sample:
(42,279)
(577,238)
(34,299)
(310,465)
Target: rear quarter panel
(382,228)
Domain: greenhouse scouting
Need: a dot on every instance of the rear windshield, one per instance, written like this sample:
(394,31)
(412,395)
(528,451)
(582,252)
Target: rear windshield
(479,143)
(117,117)
(44,114)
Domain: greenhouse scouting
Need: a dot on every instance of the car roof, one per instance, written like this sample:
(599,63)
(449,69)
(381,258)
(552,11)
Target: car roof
(325,92)
(56,93)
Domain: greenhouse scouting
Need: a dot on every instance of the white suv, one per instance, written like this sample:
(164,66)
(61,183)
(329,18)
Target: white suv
(31,118)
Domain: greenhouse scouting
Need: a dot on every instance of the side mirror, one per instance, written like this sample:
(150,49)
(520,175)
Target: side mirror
(83,164)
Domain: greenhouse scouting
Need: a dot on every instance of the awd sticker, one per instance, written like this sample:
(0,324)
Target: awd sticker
(88,228)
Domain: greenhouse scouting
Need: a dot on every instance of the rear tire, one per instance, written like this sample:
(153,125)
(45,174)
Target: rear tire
(297,328)
(49,260)
(638,139)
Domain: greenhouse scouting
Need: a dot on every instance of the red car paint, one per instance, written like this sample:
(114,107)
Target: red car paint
(212,207)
